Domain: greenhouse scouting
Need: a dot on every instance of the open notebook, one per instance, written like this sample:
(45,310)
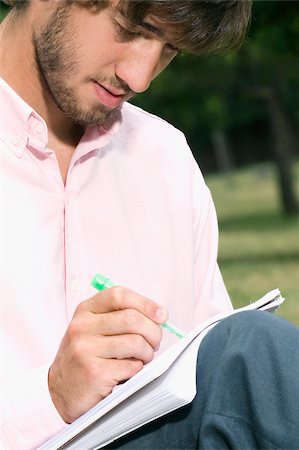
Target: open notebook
(163,385)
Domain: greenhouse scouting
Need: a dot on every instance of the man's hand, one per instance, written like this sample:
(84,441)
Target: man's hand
(111,336)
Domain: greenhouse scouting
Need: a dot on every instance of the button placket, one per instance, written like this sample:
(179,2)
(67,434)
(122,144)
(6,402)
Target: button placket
(75,284)
(74,263)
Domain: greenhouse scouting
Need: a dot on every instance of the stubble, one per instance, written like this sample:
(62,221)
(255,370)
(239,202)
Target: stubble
(57,62)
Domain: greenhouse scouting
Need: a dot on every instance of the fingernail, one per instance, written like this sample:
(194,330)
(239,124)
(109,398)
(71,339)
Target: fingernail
(161,315)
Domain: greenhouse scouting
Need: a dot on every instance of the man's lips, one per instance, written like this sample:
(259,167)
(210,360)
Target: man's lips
(109,97)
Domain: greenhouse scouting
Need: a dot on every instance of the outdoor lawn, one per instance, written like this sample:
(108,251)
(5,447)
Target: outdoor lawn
(259,246)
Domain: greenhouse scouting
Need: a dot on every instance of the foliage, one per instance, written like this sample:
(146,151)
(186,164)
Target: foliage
(202,94)
(3,10)
(259,247)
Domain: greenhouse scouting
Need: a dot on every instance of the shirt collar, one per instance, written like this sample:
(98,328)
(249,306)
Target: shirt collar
(96,137)
(21,127)
(15,115)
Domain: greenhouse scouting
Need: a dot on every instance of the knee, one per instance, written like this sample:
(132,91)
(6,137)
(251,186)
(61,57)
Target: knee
(251,324)
(248,343)
(232,338)
(235,344)
(250,333)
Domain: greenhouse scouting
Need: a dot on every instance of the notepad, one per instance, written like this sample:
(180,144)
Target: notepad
(163,385)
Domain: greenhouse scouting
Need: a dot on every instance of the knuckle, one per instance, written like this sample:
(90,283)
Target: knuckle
(81,307)
(91,372)
(128,368)
(137,344)
(154,343)
(134,366)
(75,329)
(149,357)
(119,295)
(141,349)
(149,308)
(131,319)
(105,372)
(79,351)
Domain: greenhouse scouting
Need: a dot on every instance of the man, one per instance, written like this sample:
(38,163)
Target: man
(91,183)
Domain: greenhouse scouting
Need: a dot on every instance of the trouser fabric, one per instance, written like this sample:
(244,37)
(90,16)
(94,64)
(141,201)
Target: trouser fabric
(247,391)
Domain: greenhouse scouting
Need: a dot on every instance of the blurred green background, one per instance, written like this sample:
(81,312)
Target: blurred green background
(240,113)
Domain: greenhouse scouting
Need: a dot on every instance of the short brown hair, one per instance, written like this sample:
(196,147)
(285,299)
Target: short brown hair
(197,26)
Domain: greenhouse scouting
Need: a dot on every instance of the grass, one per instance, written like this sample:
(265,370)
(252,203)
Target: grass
(259,245)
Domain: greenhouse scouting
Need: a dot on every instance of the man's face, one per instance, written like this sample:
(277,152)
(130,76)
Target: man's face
(90,62)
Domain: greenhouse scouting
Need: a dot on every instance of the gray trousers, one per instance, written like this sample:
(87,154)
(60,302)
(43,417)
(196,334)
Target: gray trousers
(247,391)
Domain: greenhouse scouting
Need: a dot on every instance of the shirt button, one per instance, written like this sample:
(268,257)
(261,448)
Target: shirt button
(17,141)
(75,284)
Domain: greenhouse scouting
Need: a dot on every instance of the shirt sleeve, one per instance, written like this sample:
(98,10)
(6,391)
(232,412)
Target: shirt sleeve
(210,292)
(28,414)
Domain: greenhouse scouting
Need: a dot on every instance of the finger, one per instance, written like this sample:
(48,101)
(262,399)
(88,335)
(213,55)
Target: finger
(101,375)
(120,298)
(128,346)
(122,322)
(114,371)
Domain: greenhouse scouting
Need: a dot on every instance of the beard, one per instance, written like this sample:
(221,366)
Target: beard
(56,59)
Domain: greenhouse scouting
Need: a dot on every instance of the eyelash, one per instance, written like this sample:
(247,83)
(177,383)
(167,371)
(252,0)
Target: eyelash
(124,33)
(129,35)
(173,48)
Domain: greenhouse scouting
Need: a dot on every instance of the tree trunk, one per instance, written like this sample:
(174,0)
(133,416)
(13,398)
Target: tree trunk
(283,147)
(222,152)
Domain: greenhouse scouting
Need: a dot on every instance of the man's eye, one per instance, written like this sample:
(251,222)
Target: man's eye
(125,33)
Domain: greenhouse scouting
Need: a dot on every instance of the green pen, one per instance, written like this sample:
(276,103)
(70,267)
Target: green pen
(101,283)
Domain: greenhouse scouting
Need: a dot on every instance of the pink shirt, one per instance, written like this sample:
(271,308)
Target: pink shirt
(135,208)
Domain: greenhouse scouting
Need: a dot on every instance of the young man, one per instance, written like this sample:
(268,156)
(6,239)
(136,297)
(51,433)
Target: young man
(91,183)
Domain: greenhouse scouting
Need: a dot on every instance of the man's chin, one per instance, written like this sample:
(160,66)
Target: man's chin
(86,116)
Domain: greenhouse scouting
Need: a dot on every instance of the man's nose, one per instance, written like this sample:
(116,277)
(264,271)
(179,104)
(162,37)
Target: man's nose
(140,63)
